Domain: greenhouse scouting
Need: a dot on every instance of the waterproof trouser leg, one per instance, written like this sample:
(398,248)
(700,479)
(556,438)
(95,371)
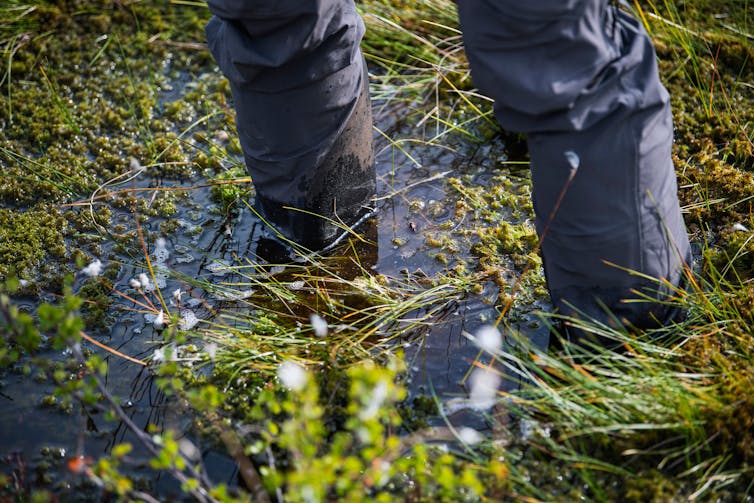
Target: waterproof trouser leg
(580,77)
(303,116)
(576,75)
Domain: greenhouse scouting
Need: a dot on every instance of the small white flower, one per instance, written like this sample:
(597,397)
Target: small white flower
(177,294)
(319,325)
(483,383)
(135,283)
(159,320)
(469,436)
(94,269)
(211,350)
(292,375)
(488,339)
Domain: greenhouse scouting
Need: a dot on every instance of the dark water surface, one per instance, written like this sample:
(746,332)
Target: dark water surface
(439,358)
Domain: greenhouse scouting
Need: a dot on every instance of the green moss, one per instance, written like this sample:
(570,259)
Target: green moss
(31,242)
(226,193)
(416,412)
(84,97)
(96,295)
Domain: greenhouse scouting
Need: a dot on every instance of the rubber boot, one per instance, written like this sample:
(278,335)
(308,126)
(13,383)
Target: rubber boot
(338,191)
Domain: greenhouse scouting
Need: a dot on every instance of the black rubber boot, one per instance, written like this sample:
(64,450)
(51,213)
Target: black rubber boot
(338,191)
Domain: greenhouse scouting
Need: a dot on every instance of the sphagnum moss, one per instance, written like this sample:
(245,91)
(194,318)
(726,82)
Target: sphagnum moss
(82,96)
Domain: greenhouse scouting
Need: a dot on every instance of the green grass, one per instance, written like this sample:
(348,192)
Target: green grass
(670,418)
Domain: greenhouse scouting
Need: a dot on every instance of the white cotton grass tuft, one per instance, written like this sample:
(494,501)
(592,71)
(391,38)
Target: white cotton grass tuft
(135,283)
(292,375)
(379,394)
(94,269)
(489,339)
(159,320)
(188,320)
(146,285)
(158,356)
(739,227)
(483,384)
(319,325)
(573,159)
(469,436)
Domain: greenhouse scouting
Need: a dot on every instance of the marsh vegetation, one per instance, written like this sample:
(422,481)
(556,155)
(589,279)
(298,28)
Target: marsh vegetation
(146,356)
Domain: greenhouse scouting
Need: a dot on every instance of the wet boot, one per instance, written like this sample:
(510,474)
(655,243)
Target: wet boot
(300,92)
(336,193)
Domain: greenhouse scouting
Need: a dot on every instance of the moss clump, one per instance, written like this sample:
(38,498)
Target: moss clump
(31,242)
(226,193)
(505,239)
(97,300)
(416,412)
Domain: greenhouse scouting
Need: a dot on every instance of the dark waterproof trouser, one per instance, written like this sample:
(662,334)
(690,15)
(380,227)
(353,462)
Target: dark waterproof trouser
(578,76)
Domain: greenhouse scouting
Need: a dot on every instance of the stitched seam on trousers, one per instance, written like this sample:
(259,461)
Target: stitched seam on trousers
(636,139)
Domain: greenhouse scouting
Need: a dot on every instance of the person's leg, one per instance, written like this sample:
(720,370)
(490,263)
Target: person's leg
(303,116)
(581,79)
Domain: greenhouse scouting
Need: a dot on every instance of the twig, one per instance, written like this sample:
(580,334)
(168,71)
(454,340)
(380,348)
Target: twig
(199,493)
(410,186)
(144,496)
(248,472)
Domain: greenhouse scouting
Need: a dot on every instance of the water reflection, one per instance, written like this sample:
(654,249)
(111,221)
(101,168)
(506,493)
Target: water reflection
(211,255)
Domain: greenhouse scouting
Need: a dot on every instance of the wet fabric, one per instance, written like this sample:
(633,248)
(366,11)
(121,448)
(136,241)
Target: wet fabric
(579,77)
(296,73)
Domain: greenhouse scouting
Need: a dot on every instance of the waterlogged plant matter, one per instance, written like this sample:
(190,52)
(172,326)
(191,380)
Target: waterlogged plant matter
(298,385)
(367,460)
(303,460)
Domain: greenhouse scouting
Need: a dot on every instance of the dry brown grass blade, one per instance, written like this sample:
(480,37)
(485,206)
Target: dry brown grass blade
(111,350)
